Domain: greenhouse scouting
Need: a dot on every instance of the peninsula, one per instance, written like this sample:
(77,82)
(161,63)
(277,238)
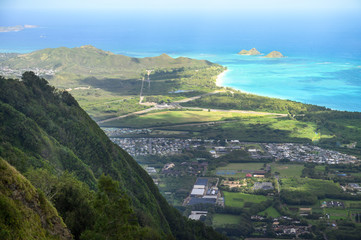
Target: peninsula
(274,54)
(253,51)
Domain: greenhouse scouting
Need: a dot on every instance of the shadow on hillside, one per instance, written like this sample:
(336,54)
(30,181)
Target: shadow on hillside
(133,86)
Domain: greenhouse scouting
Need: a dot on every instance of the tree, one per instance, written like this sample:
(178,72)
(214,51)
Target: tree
(115,218)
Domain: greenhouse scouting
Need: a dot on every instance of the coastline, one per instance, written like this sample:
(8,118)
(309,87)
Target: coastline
(219,80)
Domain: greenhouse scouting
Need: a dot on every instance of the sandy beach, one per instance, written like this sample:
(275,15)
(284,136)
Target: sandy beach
(219,79)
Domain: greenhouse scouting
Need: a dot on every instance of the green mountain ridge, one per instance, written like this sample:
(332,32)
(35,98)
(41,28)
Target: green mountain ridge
(90,61)
(44,128)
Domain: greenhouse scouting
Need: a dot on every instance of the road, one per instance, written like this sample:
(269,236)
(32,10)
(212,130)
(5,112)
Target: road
(160,107)
(176,104)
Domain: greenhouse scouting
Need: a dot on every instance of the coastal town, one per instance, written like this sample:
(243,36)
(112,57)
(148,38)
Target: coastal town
(293,152)
(13,72)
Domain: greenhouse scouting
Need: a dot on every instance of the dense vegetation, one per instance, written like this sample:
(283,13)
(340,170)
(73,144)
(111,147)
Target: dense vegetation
(244,101)
(44,128)
(108,85)
(90,61)
(25,213)
(342,128)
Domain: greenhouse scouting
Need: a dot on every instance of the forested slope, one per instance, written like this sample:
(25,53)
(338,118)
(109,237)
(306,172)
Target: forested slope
(43,128)
(25,213)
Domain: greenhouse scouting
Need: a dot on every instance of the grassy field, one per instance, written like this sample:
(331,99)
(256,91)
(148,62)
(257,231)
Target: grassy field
(242,166)
(313,186)
(165,118)
(287,170)
(236,199)
(242,126)
(336,214)
(270,212)
(222,219)
(177,188)
(100,104)
(237,168)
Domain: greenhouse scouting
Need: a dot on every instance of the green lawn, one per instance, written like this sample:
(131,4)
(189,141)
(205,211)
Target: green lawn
(242,166)
(287,170)
(165,118)
(238,167)
(270,212)
(313,186)
(236,199)
(222,219)
(336,213)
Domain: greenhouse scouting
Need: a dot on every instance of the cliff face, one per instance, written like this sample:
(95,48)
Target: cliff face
(24,212)
(253,51)
(274,54)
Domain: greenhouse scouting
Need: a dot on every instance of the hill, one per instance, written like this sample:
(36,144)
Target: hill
(108,85)
(44,128)
(88,61)
(274,54)
(24,211)
(253,51)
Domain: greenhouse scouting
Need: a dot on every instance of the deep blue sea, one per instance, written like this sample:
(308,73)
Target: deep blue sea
(323,63)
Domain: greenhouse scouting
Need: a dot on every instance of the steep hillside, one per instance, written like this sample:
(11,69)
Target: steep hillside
(42,127)
(25,213)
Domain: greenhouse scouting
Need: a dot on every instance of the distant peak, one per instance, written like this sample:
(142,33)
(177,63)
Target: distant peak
(165,55)
(91,47)
(88,47)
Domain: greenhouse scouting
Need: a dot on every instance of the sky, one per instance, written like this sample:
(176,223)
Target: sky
(195,21)
(242,6)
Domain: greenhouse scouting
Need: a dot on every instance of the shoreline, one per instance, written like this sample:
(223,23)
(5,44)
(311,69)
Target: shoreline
(219,80)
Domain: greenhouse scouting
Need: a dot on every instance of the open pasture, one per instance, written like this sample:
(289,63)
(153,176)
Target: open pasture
(237,199)
(287,170)
(223,219)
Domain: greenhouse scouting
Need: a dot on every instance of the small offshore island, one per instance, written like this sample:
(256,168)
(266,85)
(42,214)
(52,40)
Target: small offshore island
(251,52)
(274,54)
(255,52)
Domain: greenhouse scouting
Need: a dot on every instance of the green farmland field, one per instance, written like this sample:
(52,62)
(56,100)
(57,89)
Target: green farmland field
(236,168)
(287,170)
(165,118)
(270,212)
(223,219)
(313,186)
(236,199)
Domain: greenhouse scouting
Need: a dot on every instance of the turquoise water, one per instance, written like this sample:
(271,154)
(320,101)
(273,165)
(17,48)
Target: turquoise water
(322,67)
(331,82)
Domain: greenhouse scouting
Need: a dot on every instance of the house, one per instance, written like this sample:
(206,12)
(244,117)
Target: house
(196,215)
(198,192)
(150,170)
(305,211)
(201,182)
(259,174)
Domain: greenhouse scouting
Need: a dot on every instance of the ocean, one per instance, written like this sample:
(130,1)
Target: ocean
(322,67)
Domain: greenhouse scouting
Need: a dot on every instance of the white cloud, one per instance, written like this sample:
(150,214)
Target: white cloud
(16,28)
